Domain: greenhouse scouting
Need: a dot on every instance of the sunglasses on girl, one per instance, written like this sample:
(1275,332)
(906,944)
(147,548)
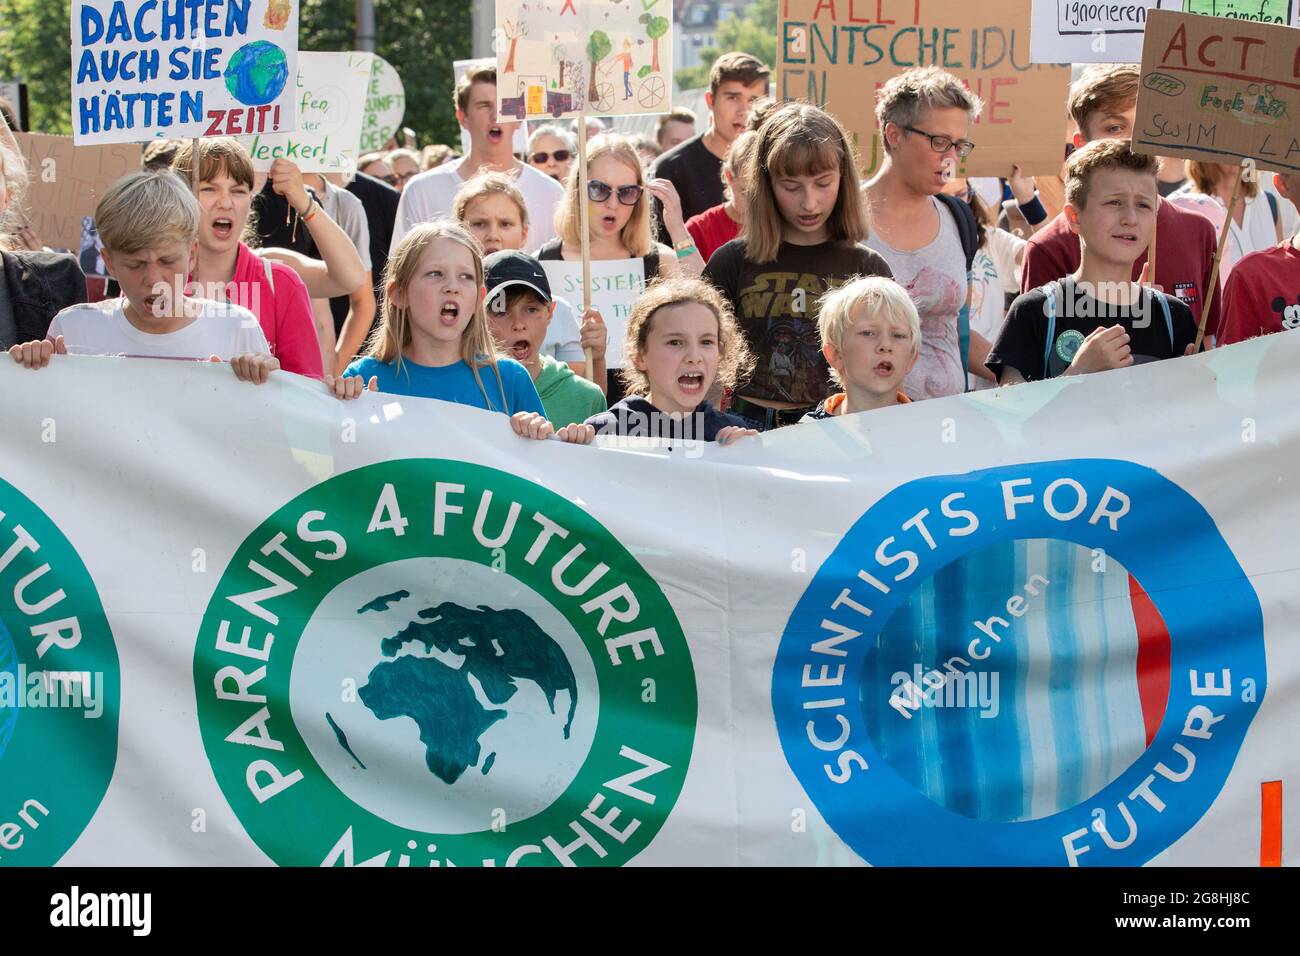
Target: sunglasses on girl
(561,156)
(627,195)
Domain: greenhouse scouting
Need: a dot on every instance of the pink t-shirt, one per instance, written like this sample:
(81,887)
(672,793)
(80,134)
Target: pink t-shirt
(283,308)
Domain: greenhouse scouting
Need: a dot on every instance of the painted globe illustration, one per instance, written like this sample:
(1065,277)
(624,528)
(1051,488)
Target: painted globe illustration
(8,708)
(256,73)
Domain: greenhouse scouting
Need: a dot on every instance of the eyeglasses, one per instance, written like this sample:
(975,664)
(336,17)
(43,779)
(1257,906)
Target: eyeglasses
(394,180)
(941,144)
(560,156)
(627,195)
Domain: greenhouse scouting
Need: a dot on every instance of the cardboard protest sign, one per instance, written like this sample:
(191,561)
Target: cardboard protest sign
(558,57)
(149,69)
(1079,31)
(616,284)
(1219,91)
(519,144)
(832,54)
(331,104)
(385,105)
(67,182)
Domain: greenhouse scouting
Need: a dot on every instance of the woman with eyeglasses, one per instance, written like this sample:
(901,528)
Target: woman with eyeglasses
(552,150)
(928,239)
(405,164)
(618,220)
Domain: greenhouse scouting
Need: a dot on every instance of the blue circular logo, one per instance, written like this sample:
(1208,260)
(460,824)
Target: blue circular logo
(1032,665)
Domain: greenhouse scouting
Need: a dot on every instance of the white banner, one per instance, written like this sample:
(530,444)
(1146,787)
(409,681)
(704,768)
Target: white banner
(616,284)
(1045,625)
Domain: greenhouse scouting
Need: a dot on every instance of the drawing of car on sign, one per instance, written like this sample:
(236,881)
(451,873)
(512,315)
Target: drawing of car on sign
(557,104)
(513,106)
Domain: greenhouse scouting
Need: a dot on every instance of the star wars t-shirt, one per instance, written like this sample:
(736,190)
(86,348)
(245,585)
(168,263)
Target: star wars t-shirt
(776,304)
(1023,341)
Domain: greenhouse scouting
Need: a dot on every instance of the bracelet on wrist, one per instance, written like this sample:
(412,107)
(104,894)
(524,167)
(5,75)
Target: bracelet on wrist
(683,253)
(1034,211)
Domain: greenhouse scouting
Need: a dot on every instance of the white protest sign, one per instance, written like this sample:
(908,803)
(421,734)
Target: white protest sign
(385,105)
(615,286)
(145,70)
(331,102)
(1095,31)
(519,144)
(559,59)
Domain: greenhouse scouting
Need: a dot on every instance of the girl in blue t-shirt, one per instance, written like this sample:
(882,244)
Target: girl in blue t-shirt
(434,341)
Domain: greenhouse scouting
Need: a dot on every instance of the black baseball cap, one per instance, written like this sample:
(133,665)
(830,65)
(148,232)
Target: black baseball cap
(509,267)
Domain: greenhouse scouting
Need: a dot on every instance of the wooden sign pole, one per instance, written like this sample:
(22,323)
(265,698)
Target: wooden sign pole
(583,229)
(1218,257)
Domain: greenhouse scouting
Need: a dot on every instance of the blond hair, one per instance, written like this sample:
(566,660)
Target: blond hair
(905,97)
(798,140)
(145,210)
(1102,88)
(217,156)
(742,147)
(839,308)
(477,347)
(484,71)
(488,184)
(1101,154)
(13,170)
(735,361)
(636,236)
(1205,178)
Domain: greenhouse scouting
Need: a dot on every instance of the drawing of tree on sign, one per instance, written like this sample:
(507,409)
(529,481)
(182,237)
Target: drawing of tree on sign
(598,47)
(655,28)
(558,55)
(513,31)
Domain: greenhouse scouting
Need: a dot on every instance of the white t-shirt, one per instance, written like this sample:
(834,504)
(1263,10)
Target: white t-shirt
(346,209)
(563,338)
(429,196)
(994,273)
(222,329)
(1257,231)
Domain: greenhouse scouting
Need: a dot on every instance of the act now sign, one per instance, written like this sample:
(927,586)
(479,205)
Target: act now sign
(280,628)
(150,69)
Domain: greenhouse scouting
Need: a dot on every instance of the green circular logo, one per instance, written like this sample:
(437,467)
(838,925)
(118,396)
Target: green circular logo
(60,688)
(432,663)
(1067,345)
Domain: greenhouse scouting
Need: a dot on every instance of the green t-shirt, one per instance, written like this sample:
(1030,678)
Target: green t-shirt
(566,397)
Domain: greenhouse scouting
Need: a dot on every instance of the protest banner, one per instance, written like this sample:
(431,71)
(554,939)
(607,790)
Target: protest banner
(519,144)
(614,287)
(66,182)
(175,69)
(392,632)
(1219,91)
(331,104)
(831,54)
(604,57)
(1094,31)
(385,105)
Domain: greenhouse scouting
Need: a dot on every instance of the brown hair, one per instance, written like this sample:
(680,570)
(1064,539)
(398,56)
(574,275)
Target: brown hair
(741,67)
(636,236)
(798,140)
(678,114)
(1102,88)
(735,360)
(742,147)
(435,155)
(1205,177)
(159,153)
(482,72)
(489,184)
(759,112)
(218,155)
(394,333)
(1102,154)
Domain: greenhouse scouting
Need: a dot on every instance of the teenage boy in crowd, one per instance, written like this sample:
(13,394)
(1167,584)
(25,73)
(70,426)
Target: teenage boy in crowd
(1103,104)
(675,128)
(695,167)
(1262,295)
(1098,318)
(519,310)
(429,195)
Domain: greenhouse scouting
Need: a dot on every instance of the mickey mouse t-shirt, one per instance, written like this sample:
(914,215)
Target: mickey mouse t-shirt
(1023,341)
(776,304)
(1262,295)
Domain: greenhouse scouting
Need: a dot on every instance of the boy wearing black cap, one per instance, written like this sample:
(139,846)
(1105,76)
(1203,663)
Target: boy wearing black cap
(519,308)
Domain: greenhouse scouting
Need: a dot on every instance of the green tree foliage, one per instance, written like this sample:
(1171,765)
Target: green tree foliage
(754,33)
(598,47)
(420,38)
(33,37)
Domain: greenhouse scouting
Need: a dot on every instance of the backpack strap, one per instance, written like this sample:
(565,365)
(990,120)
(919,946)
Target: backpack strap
(270,274)
(1052,288)
(968,233)
(1277,216)
(1169,319)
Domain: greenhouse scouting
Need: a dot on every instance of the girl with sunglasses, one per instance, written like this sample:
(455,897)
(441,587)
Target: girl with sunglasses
(618,223)
(551,150)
